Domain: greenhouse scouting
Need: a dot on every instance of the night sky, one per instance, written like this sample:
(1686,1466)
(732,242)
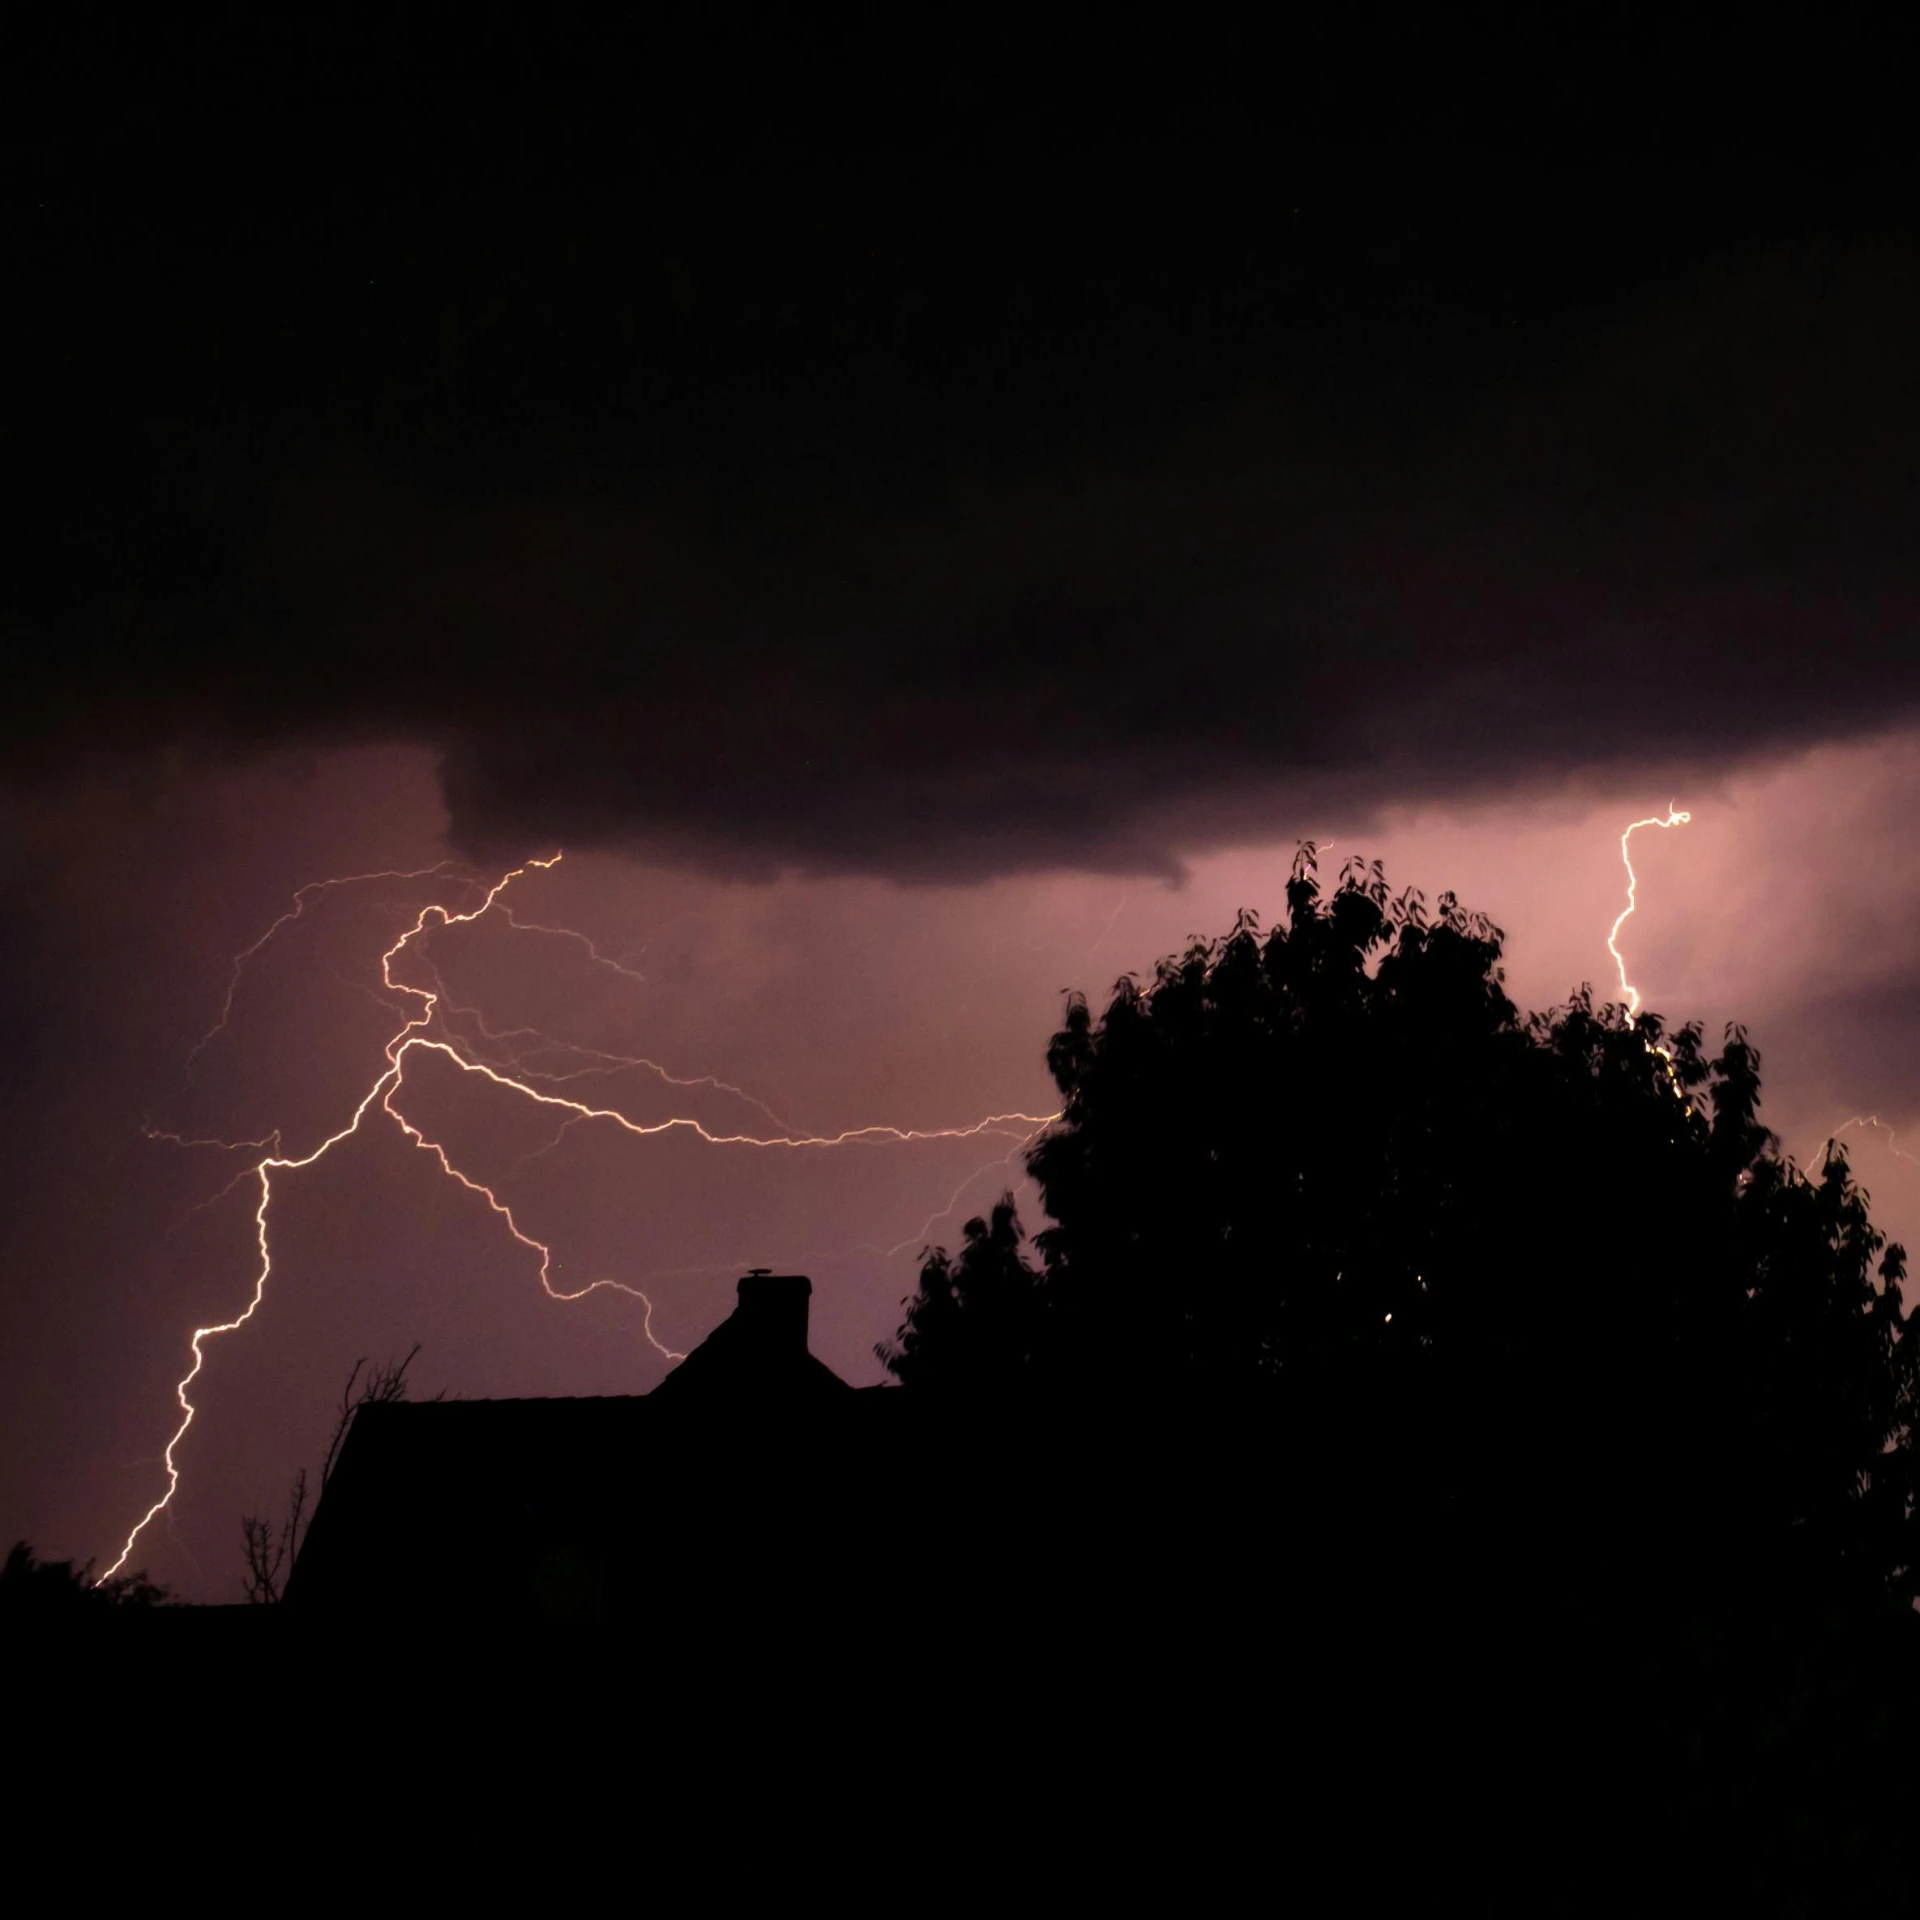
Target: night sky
(925,516)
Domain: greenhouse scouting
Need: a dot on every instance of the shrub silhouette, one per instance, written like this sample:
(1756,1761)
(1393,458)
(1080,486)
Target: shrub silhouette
(40,1592)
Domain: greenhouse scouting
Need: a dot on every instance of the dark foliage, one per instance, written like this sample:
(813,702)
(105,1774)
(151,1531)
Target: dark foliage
(44,1591)
(1480,1402)
(1549,1265)
(973,1325)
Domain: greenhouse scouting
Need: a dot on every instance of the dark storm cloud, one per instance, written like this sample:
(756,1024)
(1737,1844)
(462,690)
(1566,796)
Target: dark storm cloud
(938,471)
(1690,540)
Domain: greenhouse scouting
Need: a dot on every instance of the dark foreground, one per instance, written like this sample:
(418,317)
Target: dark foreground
(1175,1722)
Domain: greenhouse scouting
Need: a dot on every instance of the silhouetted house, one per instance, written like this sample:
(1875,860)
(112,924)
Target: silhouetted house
(720,1483)
(753,1478)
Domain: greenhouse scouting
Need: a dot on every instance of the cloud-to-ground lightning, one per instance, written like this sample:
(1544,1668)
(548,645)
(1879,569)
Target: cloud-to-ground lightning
(1673,819)
(429,1030)
(1679,818)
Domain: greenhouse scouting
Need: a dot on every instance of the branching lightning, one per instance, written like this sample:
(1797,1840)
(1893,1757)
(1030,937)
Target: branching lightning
(506,1044)
(431,1029)
(542,1070)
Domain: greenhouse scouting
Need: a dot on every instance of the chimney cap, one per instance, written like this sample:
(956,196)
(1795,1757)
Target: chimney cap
(763,1281)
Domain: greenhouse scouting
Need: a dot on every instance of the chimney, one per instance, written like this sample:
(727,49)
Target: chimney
(772,1314)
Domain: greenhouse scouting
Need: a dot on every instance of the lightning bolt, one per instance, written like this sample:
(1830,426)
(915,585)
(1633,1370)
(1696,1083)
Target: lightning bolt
(1873,1120)
(1627,987)
(506,1041)
(419,1033)
(918,1238)
(1680,819)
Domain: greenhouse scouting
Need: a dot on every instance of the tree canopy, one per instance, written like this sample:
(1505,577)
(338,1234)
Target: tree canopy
(1551,1260)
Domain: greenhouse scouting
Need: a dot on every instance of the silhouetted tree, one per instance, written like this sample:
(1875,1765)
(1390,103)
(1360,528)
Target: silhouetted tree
(49,1590)
(1552,1268)
(270,1550)
(974,1322)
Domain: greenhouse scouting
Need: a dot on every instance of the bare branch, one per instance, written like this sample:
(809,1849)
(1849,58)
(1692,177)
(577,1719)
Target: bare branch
(269,1556)
(347,1405)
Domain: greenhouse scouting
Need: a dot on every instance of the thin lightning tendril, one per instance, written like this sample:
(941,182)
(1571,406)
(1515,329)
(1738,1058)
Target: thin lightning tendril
(593,953)
(413,1036)
(1873,1120)
(298,912)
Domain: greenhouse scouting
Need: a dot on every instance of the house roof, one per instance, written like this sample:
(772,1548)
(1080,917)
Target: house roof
(529,1502)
